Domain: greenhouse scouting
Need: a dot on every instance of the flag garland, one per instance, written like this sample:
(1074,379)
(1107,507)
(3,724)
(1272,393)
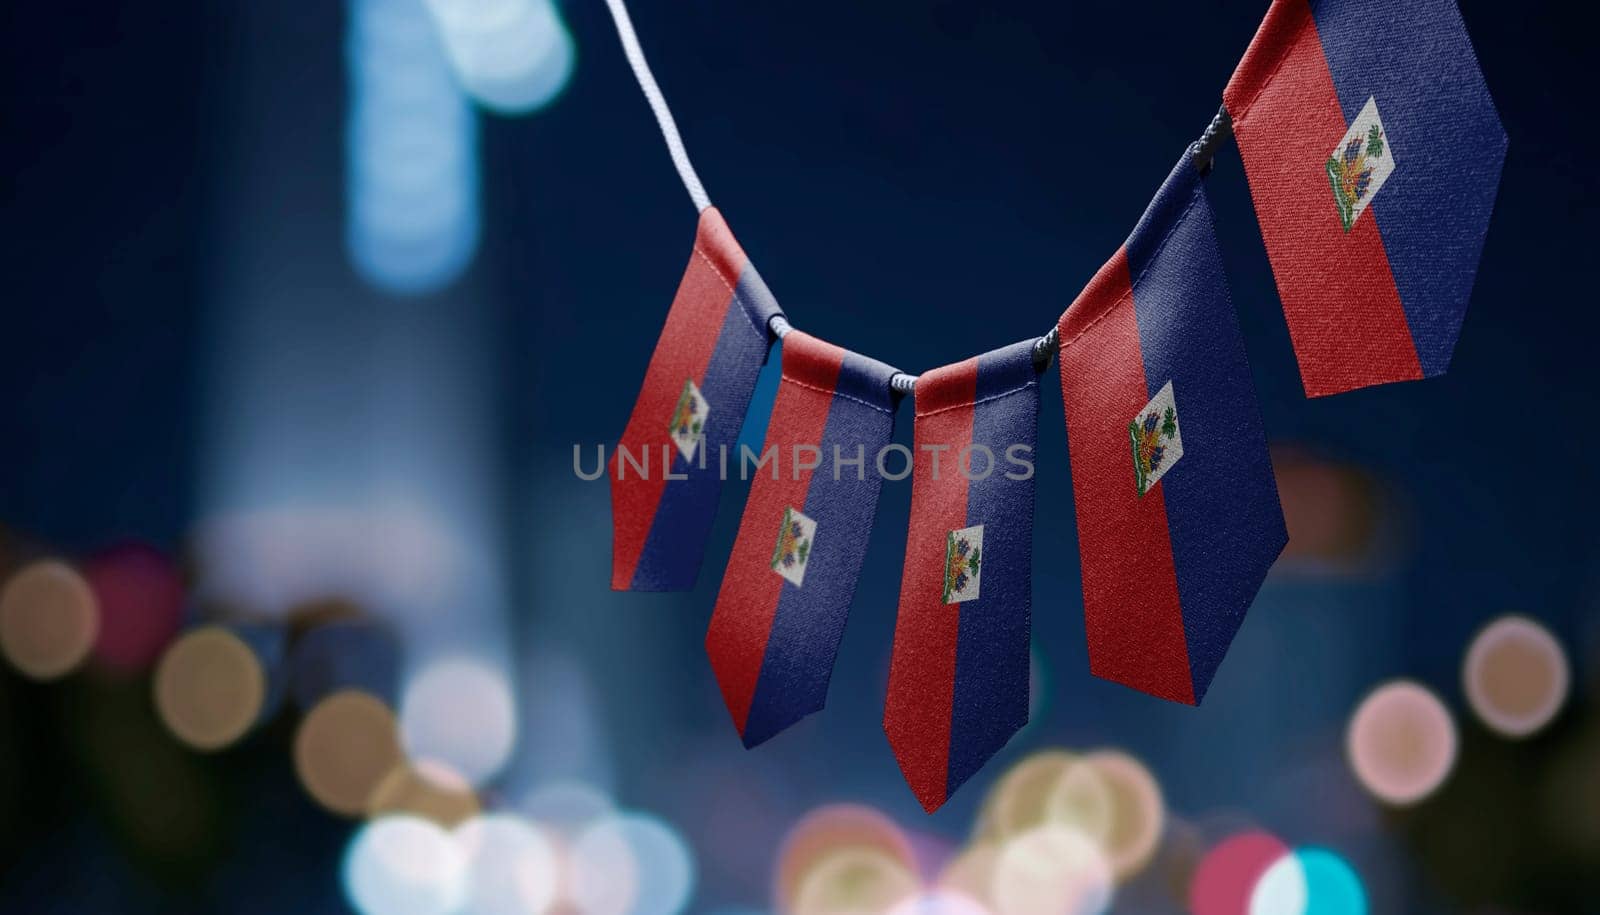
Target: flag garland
(781,611)
(664,483)
(958,678)
(1178,516)
(1373,153)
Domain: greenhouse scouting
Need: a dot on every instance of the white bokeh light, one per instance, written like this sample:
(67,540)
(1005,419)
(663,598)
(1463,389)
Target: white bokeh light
(1051,870)
(603,870)
(1282,889)
(511,56)
(512,868)
(665,865)
(460,711)
(940,902)
(404,865)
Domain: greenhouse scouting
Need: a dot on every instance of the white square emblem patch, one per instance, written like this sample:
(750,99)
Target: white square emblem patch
(792,554)
(689,419)
(1360,164)
(1154,437)
(963,564)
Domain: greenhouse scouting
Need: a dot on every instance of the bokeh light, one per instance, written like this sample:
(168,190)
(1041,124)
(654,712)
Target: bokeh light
(48,619)
(1051,870)
(412,152)
(1401,743)
(603,870)
(1137,812)
(662,868)
(666,866)
(345,747)
(566,806)
(1282,890)
(1309,881)
(512,867)
(940,902)
(459,711)
(1335,515)
(1516,676)
(1082,799)
(1177,859)
(1021,799)
(971,872)
(1227,877)
(852,881)
(210,688)
(833,828)
(511,56)
(141,595)
(401,865)
(426,788)
(1333,888)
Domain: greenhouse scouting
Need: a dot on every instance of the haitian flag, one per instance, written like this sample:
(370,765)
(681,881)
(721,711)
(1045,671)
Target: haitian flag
(1373,151)
(665,476)
(958,681)
(792,573)
(1178,516)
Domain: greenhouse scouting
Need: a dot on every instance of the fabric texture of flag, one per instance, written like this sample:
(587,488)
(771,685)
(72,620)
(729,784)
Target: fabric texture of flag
(665,474)
(1373,152)
(1178,515)
(792,573)
(958,681)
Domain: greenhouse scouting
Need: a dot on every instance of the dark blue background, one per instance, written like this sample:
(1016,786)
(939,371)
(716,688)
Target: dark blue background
(916,181)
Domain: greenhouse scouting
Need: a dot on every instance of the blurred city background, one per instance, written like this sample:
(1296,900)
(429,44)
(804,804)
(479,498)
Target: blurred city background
(302,608)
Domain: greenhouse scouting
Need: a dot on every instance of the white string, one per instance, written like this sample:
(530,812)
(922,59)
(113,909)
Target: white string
(658,103)
(1201,152)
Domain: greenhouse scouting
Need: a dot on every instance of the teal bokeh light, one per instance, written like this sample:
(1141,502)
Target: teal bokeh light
(1332,885)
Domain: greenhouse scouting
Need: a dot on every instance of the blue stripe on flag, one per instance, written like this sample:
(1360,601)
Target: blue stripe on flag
(990,701)
(809,621)
(1221,497)
(1416,60)
(675,547)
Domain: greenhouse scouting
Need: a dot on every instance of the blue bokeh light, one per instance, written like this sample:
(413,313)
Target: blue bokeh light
(412,182)
(511,56)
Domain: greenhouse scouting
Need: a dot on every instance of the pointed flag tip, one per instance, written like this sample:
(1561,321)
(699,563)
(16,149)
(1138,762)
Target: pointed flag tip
(763,724)
(931,802)
(1170,689)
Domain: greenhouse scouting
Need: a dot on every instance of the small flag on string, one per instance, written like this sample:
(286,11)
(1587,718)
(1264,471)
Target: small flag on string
(1373,152)
(792,573)
(1178,516)
(958,681)
(665,474)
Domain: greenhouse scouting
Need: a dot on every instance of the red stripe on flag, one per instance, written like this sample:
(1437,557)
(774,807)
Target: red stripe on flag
(922,672)
(1345,318)
(741,622)
(682,352)
(1131,610)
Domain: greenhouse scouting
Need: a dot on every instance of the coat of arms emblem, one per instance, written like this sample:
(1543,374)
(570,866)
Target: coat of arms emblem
(1154,437)
(1360,164)
(963,563)
(793,551)
(689,419)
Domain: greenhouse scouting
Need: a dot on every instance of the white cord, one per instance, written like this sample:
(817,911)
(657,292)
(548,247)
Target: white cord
(658,103)
(1201,153)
